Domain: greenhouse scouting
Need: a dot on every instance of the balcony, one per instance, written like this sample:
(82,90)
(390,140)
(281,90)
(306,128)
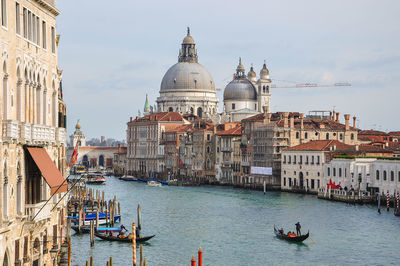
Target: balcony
(26,132)
(31,210)
(43,134)
(226,149)
(10,130)
(227,163)
(61,135)
(245,163)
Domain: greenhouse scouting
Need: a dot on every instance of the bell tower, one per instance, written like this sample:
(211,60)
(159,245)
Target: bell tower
(263,90)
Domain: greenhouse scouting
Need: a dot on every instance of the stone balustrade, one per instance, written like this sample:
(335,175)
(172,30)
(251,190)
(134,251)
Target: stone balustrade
(26,133)
(10,130)
(32,210)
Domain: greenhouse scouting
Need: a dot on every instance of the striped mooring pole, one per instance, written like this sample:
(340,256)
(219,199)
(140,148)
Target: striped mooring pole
(387,201)
(134,243)
(397,201)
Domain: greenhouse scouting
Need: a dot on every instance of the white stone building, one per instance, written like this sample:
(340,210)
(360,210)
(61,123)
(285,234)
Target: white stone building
(187,86)
(365,174)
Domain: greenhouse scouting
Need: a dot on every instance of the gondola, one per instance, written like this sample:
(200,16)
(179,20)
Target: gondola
(291,238)
(125,239)
(86,229)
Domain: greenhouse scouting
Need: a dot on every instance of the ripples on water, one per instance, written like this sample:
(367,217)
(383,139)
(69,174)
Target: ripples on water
(235,227)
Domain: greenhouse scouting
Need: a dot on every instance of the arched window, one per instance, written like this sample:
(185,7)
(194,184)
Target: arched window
(101,160)
(170,109)
(5,92)
(391,176)
(297,135)
(208,149)
(5,192)
(191,110)
(384,175)
(19,189)
(294,159)
(289,159)
(352,136)
(340,172)
(377,174)
(327,135)
(329,171)
(200,112)
(334,171)
(208,164)
(45,102)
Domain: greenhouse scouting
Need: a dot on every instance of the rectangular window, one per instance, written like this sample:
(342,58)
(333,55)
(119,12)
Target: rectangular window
(4,13)
(17,19)
(318,182)
(312,183)
(53,40)
(284,181)
(294,159)
(44,35)
(37,31)
(306,135)
(34,28)
(25,22)
(29,25)
(233,106)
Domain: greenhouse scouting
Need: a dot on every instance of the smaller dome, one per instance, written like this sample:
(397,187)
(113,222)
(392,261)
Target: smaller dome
(240,89)
(188,39)
(77,126)
(264,73)
(252,76)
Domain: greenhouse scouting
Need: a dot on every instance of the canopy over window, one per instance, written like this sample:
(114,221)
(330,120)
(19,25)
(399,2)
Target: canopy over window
(49,170)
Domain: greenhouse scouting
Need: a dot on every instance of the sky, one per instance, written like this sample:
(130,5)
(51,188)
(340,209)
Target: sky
(113,53)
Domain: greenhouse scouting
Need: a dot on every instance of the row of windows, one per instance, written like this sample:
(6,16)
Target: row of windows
(34,29)
(294,183)
(334,171)
(384,175)
(327,135)
(289,159)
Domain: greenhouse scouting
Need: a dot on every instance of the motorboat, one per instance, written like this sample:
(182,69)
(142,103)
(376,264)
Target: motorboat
(153,183)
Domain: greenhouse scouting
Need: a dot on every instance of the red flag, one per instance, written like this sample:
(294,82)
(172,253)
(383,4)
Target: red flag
(74,155)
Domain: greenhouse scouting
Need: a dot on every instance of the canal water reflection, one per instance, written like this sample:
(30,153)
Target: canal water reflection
(235,227)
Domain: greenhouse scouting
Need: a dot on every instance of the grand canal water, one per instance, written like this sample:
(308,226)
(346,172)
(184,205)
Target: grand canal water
(235,227)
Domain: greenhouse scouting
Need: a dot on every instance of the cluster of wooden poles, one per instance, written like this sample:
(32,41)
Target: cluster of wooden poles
(396,201)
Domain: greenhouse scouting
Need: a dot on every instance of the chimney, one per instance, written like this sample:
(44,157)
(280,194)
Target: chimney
(301,121)
(285,119)
(291,122)
(333,115)
(131,119)
(355,121)
(347,118)
(337,116)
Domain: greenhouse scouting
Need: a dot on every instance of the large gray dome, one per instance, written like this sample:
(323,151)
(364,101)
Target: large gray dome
(187,76)
(240,89)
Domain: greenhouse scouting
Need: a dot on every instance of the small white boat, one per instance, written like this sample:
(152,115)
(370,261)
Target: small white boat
(154,184)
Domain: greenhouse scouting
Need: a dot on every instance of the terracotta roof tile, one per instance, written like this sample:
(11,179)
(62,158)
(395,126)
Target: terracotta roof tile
(372,132)
(320,145)
(236,131)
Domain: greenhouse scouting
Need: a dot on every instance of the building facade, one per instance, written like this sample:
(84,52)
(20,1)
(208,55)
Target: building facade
(145,150)
(33,135)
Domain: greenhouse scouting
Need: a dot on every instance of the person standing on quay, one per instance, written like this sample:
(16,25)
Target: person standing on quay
(298,227)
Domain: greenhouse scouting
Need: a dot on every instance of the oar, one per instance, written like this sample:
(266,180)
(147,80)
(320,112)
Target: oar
(315,242)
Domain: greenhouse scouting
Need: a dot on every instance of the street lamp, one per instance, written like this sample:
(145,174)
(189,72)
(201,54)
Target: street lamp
(53,254)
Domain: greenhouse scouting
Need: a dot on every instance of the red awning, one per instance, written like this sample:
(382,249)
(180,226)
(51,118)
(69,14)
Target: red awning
(49,170)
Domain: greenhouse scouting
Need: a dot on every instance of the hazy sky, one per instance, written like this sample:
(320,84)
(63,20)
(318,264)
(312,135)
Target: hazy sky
(114,52)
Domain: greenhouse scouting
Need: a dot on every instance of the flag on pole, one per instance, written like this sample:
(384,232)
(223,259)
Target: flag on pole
(74,155)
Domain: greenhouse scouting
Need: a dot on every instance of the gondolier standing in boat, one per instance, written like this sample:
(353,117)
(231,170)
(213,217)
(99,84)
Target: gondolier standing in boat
(298,227)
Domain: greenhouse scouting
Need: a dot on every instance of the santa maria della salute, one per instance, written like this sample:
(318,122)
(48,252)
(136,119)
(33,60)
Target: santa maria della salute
(188,88)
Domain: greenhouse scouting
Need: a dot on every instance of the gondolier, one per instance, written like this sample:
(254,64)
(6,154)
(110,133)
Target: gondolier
(298,227)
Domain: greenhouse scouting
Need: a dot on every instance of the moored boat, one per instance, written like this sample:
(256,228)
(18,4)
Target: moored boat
(397,213)
(291,238)
(153,183)
(123,239)
(86,229)
(128,178)
(95,179)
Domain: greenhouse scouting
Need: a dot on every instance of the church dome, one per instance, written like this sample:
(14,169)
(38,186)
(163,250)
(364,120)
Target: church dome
(264,73)
(252,76)
(240,89)
(187,76)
